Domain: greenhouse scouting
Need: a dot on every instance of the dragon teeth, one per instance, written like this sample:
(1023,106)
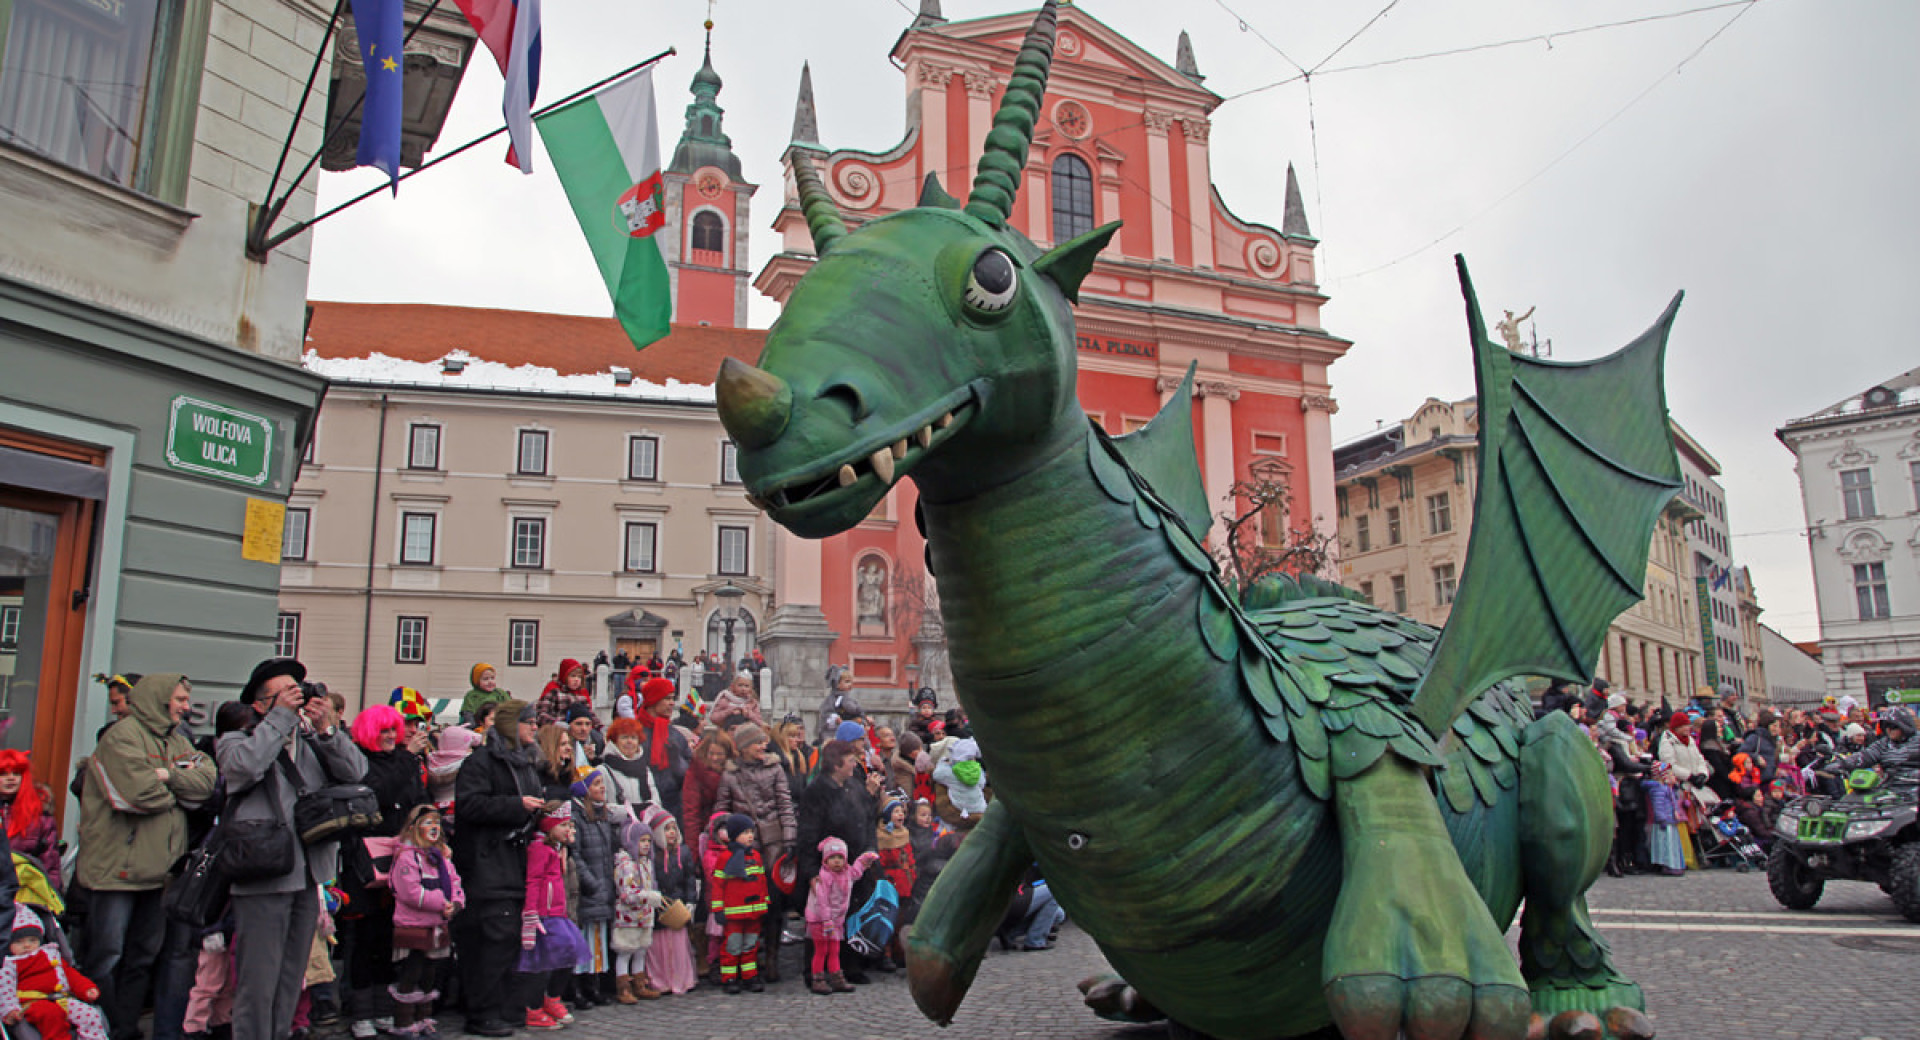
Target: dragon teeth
(848,476)
(900,448)
(882,461)
(944,421)
(925,436)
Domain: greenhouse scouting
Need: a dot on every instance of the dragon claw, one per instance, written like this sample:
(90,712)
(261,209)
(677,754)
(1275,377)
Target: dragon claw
(1619,1023)
(1112,999)
(1431,1007)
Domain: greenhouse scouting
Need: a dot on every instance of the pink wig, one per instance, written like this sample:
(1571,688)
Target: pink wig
(373,721)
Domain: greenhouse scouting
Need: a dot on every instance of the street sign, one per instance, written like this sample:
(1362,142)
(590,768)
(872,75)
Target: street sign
(216,441)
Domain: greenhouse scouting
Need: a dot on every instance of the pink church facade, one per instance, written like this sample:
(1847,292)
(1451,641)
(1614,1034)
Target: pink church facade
(1122,136)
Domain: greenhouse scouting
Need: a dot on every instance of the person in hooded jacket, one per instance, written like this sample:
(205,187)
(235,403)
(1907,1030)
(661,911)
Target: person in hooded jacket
(755,784)
(141,779)
(395,771)
(499,800)
(567,688)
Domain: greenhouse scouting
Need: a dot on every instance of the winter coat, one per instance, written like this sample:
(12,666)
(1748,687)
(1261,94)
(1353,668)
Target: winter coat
(678,876)
(258,788)
(729,703)
(41,841)
(760,790)
(696,799)
(1616,743)
(44,972)
(629,780)
(739,898)
(415,903)
(1765,752)
(932,848)
(670,780)
(840,810)
(1688,763)
(1884,752)
(593,845)
(546,894)
(398,781)
(832,894)
(487,801)
(896,859)
(1662,808)
(133,825)
(636,896)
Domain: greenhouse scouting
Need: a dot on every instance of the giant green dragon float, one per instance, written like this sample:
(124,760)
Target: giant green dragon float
(1289,812)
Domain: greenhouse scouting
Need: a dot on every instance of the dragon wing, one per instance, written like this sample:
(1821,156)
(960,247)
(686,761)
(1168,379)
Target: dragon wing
(1576,463)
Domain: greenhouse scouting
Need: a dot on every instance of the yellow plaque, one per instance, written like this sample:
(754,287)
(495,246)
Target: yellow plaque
(266,524)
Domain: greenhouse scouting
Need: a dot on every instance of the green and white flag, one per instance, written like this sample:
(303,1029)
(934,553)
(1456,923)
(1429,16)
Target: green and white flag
(606,149)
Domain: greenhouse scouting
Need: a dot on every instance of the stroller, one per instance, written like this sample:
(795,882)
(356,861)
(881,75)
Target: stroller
(1726,842)
(37,891)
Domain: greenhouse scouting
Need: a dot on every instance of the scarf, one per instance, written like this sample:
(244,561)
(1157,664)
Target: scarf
(736,861)
(635,769)
(657,739)
(438,882)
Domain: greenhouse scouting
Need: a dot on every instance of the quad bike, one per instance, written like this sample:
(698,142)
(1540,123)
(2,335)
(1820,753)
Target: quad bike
(1867,834)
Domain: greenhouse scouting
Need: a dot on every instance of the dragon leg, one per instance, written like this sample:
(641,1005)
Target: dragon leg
(963,908)
(1566,827)
(1412,949)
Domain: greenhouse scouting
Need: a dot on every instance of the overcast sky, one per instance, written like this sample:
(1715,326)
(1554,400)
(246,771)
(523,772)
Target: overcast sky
(1772,177)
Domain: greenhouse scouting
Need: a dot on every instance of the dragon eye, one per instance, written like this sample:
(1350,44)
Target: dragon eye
(992,282)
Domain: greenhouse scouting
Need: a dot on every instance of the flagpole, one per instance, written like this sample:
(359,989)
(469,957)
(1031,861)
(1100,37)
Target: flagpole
(294,230)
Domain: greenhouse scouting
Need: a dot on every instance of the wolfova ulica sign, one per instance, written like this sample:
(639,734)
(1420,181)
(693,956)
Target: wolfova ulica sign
(217,441)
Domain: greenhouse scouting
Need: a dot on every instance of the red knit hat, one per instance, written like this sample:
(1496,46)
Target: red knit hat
(655,690)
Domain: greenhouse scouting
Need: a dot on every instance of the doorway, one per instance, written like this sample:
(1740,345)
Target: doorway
(43,560)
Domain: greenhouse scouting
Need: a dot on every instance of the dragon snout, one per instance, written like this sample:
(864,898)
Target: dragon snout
(754,403)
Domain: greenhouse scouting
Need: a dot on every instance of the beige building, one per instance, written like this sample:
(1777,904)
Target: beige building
(1405,496)
(542,493)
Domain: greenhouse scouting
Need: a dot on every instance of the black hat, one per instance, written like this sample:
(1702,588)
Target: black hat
(926,696)
(1602,685)
(267,669)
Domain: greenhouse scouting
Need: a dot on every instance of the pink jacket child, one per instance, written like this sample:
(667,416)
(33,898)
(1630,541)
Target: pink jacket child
(424,885)
(827,913)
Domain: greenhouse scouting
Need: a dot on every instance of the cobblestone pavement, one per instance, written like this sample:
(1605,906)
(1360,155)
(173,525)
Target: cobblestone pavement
(1719,960)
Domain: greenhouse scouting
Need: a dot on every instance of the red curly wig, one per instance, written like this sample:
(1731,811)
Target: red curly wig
(25,811)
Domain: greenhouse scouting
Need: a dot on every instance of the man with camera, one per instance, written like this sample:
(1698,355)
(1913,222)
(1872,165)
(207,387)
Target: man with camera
(498,800)
(141,779)
(296,746)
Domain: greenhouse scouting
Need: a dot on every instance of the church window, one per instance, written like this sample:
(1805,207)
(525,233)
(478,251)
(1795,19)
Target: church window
(1072,198)
(706,126)
(709,232)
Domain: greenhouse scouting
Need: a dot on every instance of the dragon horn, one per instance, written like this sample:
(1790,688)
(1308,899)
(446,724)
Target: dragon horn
(823,217)
(998,177)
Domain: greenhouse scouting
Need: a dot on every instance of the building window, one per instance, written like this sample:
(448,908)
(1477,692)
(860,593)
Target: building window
(1393,525)
(75,84)
(293,538)
(1439,514)
(641,538)
(1269,444)
(733,550)
(1870,591)
(1913,474)
(1362,537)
(530,542)
(1444,584)
(643,458)
(1072,198)
(1398,583)
(286,635)
(423,446)
(1856,492)
(417,537)
(709,232)
(10,629)
(1366,591)
(729,463)
(1273,524)
(523,643)
(410,640)
(531,459)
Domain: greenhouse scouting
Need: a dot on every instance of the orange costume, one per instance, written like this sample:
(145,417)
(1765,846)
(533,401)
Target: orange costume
(52,996)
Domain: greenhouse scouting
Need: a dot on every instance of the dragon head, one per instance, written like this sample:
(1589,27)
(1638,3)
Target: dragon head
(919,345)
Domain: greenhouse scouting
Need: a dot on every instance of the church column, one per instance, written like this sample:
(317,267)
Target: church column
(933,123)
(797,638)
(979,118)
(1159,176)
(1216,422)
(1199,184)
(1039,199)
(1319,408)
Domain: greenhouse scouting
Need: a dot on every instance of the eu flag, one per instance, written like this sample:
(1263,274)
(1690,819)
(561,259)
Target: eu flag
(379,24)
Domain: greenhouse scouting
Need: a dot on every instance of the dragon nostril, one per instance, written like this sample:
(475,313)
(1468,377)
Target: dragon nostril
(847,397)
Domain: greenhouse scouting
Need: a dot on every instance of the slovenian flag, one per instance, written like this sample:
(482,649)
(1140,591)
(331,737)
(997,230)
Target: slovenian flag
(511,30)
(606,149)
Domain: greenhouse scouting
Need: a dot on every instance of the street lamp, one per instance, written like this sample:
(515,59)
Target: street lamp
(729,596)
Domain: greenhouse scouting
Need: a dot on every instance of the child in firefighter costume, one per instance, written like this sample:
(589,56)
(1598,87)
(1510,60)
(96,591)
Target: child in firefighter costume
(50,995)
(740,900)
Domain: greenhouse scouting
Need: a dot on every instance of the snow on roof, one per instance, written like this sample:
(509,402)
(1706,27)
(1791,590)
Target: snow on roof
(1904,388)
(479,374)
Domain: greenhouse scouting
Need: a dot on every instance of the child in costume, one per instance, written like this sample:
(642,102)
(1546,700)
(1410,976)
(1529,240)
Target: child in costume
(739,901)
(426,895)
(38,987)
(550,943)
(897,866)
(963,783)
(669,962)
(1663,833)
(211,1001)
(636,900)
(827,907)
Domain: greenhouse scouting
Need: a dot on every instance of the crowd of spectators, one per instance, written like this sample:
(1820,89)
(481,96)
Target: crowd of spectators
(1690,777)
(372,870)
